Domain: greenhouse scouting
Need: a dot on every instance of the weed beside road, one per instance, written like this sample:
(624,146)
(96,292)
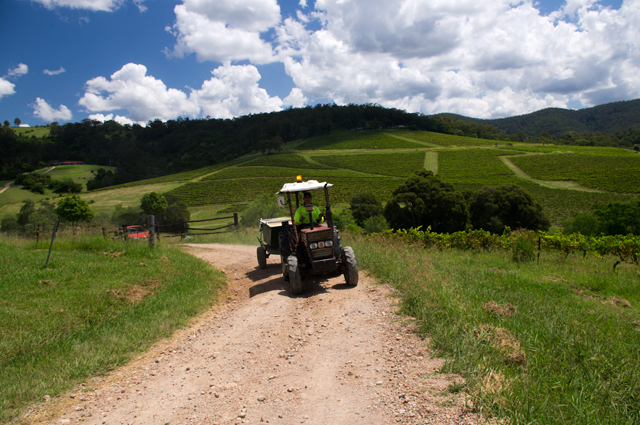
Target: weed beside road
(96,305)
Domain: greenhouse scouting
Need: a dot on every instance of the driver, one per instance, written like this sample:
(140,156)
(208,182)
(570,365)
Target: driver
(302,216)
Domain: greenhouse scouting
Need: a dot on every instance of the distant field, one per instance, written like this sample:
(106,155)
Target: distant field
(446,139)
(284,160)
(36,132)
(390,164)
(247,189)
(583,150)
(365,139)
(289,173)
(474,167)
(78,173)
(611,173)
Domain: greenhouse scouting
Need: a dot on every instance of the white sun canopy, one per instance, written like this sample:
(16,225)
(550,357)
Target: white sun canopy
(302,186)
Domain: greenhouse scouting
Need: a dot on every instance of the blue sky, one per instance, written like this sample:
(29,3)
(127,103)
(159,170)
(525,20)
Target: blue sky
(135,61)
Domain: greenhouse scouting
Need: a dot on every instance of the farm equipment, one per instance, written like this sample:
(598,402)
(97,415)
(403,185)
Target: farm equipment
(310,248)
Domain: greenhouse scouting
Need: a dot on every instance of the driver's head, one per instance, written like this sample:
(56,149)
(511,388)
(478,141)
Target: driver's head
(307,198)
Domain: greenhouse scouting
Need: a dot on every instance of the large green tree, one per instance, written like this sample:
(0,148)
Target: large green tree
(153,203)
(492,209)
(74,210)
(425,200)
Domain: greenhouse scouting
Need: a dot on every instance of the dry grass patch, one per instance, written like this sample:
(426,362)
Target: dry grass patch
(502,340)
(502,310)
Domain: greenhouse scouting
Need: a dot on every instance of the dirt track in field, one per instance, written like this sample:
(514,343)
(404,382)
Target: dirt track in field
(335,355)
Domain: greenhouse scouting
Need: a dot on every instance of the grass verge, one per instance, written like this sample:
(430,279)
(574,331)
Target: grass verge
(96,305)
(538,343)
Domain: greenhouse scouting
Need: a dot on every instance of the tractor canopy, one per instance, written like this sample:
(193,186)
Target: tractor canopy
(303,186)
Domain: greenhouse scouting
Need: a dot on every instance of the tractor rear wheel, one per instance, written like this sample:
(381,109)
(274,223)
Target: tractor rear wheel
(262,257)
(295,277)
(350,266)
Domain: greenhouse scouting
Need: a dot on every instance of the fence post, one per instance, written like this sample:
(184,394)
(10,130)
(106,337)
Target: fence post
(157,227)
(183,225)
(53,236)
(235,219)
(151,223)
(124,232)
(104,232)
(38,235)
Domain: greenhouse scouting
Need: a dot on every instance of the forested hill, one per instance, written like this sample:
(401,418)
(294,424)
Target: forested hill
(162,148)
(607,118)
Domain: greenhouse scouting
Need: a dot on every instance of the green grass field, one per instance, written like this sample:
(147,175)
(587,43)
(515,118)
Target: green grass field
(37,132)
(93,308)
(366,139)
(384,163)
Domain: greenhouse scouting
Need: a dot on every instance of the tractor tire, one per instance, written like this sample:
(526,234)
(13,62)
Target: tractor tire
(350,266)
(262,257)
(295,277)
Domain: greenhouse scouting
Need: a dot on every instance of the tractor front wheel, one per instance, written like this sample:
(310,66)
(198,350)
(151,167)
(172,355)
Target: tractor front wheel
(262,258)
(350,266)
(295,277)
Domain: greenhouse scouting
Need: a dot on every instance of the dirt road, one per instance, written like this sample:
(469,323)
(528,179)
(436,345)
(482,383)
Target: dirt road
(336,355)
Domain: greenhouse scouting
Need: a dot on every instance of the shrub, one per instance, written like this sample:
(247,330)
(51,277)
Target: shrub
(585,224)
(375,224)
(492,209)
(365,206)
(524,250)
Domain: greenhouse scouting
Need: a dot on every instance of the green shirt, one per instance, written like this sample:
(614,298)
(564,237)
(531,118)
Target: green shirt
(301,212)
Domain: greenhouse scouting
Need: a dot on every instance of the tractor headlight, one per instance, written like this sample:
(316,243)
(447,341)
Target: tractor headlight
(328,243)
(320,244)
(313,245)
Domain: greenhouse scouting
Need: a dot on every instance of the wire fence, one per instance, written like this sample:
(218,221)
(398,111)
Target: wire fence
(183,228)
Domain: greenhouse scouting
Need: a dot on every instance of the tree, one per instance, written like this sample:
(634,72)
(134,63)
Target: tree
(425,200)
(17,122)
(364,206)
(6,123)
(153,203)
(492,209)
(74,210)
(617,218)
(25,213)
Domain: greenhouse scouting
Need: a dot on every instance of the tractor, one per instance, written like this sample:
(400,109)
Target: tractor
(312,248)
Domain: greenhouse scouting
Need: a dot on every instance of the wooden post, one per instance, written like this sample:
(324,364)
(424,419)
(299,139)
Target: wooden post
(104,232)
(37,235)
(124,232)
(151,223)
(183,231)
(235,219)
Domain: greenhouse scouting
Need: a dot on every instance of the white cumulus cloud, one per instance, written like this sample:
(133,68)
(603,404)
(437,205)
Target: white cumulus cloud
(19,70)
(234,91)
(56,72)
(109,117)
(92,5)
(485,59)
(145,97)
(6,88)
(296,98)
(225,31)
(45,111)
